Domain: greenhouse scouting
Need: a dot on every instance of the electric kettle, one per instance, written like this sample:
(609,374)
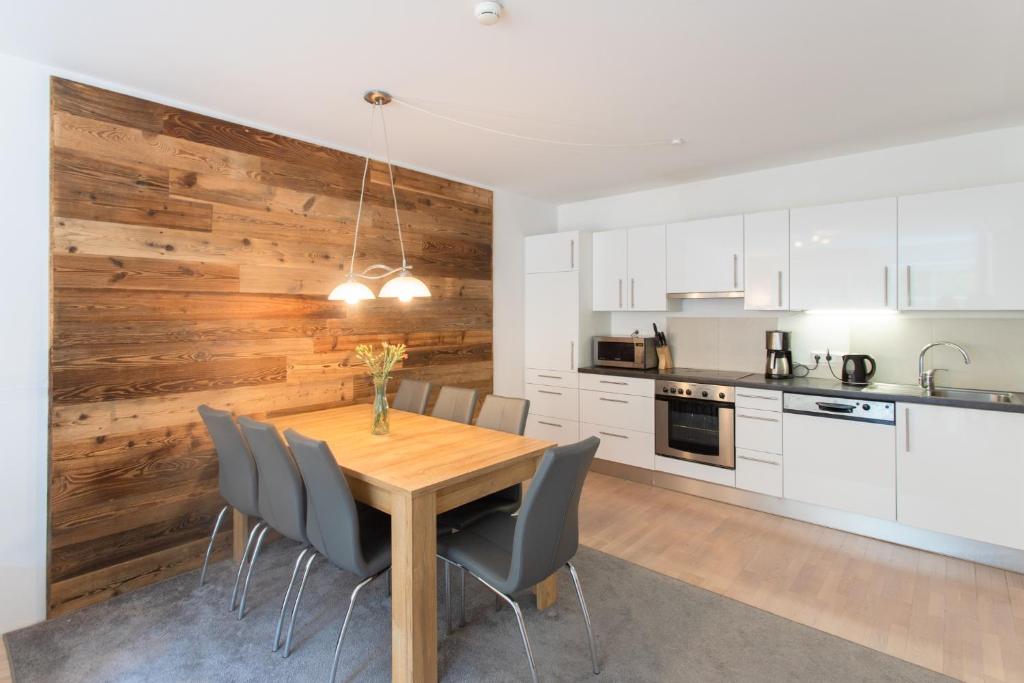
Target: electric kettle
(855,369)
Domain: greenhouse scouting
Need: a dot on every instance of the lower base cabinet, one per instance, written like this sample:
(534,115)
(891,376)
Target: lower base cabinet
(623,446)
(563,432)
(759,472)
(961,472)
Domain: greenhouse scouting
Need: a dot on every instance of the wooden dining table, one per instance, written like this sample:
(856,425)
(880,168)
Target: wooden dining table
(425,466)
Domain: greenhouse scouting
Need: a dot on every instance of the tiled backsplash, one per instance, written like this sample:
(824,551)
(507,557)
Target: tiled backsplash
(737,343)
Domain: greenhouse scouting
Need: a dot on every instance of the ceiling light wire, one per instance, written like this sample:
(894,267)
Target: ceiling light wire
(391,175)
(362,191)
(530,138)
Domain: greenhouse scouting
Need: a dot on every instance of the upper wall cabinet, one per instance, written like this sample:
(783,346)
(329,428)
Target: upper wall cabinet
(843,256)
(629,269)
(766,261)
(552,253)
(961,250)
(705,256)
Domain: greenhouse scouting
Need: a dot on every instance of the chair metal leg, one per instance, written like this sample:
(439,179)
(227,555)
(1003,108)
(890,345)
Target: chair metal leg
(213,537)
(253,533)
(287,594)
(295,606)
(344,624)
(586,617)
(389,582)
(462,597)
(522,624)
(448,597)
(248,574)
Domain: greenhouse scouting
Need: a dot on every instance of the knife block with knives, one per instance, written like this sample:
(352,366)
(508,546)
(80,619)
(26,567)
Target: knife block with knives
(661,347)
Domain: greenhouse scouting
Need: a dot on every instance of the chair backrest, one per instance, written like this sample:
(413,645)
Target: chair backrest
(455,404)
(547,531)
(238,476)
(412,396)
(503,414)
(282,494)
(332,519)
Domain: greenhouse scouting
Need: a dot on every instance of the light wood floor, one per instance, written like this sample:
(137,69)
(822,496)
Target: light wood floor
(960,618)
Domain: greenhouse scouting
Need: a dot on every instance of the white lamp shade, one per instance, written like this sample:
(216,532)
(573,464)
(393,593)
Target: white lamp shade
(405,287)
(351,291)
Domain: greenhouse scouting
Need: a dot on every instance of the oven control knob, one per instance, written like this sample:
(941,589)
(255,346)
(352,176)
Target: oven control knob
(721,394)
(672,390)
(664,389)
(704,394)
(688,392)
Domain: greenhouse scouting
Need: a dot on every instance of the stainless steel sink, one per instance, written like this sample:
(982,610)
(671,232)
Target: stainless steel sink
(975,395)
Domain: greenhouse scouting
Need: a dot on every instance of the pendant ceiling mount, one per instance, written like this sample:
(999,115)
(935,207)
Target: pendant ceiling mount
(404,287)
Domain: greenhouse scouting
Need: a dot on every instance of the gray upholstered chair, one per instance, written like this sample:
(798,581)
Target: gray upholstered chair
(353,537)
(237,480)
(503,414)
(282,499)
(511,554)
(412,396)
(455,404)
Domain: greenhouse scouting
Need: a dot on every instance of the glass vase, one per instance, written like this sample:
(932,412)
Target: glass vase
(381,425)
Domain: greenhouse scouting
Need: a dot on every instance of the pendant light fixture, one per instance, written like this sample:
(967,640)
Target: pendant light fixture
(404,287)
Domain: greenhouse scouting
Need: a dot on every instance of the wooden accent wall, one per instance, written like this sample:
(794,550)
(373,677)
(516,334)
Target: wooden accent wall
(191,259)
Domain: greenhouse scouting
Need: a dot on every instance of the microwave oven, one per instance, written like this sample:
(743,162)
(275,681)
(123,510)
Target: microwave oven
(637,353)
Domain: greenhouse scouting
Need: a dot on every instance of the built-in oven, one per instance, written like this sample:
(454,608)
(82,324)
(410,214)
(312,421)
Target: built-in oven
(695,422)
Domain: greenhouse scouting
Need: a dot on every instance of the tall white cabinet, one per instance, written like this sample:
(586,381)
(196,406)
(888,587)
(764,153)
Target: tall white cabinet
(705,255)
(961,250)
(843,256)
(629,269)
(558,326)
(766,261)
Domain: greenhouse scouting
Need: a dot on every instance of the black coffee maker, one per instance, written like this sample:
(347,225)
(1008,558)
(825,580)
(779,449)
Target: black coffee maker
(779,361)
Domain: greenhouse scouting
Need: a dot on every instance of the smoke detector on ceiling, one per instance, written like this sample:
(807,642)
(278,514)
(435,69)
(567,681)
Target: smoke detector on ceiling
(487,12)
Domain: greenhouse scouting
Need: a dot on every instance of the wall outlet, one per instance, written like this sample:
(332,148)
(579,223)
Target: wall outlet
(836,355)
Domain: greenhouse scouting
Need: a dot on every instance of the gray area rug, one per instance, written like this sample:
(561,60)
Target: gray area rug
(649,628)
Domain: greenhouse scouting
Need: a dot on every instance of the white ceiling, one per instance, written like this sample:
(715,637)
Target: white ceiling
(748,83)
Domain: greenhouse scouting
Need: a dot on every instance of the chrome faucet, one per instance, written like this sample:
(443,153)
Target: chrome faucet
(926,378)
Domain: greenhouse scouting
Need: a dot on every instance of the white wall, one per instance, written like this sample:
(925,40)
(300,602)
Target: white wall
(24,318)
(515,217)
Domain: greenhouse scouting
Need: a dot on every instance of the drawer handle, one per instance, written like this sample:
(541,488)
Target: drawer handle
(608,381)
(766,462)
(618,436)
(550,376)
(760,398)
(757,417)
(549,424)
(613,400)
(553,393)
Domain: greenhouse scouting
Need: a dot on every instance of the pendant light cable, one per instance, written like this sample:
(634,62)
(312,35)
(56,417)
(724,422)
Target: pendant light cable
(362,192)
(391,177)
(530,138)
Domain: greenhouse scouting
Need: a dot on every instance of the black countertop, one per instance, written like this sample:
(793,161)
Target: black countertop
(907,393)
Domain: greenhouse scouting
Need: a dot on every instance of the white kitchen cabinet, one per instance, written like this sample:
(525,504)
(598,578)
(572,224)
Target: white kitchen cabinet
(705,255)
(552,253)
(961,250)
(611,270)
(623,446)
(759,430)
(554,401)
(618,410)
(759,472)
(646,260)
(552,321)
(629,269)
(843,256)
(961,472)
(561,431)
(766,261)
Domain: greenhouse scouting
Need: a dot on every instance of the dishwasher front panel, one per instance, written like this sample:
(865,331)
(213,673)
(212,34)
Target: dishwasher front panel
(844,464)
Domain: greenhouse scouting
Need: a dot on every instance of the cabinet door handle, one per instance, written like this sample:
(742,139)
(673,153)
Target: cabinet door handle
(549,424)
(906,429)
(620,292)
(759,398)
(608,381)
(780,289)
(553,393)
(735,271)
(909,298)
(885,285)
(764,460)
(755,417)
(632,293)
(612,400)
(572,254)
(572,355)
(618,436)
(550,376)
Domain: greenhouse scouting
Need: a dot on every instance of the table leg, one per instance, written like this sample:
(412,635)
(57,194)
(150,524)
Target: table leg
(414,588)
(240,534)
(546,592)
